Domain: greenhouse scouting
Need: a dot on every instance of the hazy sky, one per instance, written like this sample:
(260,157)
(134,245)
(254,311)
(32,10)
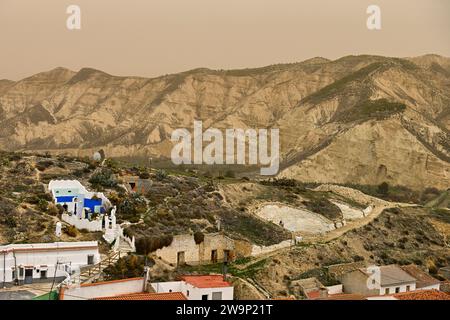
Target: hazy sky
(154,37)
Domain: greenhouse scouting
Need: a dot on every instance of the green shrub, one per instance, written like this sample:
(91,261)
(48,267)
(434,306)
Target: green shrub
(147,245)
(42,205)
(199,237)
(161,175)
(383,189)
(230,174)
(130,266)
(71,231)
(104,178)
(10,221)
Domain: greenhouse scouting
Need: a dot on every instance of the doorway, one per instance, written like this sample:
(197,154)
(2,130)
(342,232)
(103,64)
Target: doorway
(214,256)
(29,276)
(180,258)
(226,255)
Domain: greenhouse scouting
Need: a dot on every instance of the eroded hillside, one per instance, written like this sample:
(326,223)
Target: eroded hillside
(358,119)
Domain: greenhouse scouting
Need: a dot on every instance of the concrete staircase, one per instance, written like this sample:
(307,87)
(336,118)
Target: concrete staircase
(124,247)
(94,273)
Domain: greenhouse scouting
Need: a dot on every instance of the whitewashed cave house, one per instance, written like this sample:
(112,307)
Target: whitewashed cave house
(77,200)
(87,210)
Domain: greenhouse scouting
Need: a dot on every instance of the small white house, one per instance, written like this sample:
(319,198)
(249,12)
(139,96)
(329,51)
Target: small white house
(28,263)
(383,280)
(423,280)
(203,287)
(124,289)
(75,199)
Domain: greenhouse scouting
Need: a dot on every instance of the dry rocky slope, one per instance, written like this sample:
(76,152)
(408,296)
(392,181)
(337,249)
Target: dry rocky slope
(359,119)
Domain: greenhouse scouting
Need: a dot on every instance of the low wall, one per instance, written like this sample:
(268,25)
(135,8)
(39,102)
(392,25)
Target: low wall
(258,250)
(337,289)
(92,226)
(103,289)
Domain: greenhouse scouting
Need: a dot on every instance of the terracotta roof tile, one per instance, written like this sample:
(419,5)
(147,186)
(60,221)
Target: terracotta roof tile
(146,296)
(423,278)
(209,281)
(423,295)
(313,294)
(344,296)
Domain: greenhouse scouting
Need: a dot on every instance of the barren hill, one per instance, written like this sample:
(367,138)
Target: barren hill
(359,119)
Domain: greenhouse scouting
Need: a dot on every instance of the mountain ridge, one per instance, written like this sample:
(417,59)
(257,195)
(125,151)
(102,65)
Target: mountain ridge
(310,101)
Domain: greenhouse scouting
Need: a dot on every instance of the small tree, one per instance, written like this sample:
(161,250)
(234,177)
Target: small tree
(71,231)
(104,178)
(199,237)
(230,174)
(43,205)
(161,175)
(383,188)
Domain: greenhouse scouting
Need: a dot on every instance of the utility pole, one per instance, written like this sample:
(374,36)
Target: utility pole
(4,269)
(54,279)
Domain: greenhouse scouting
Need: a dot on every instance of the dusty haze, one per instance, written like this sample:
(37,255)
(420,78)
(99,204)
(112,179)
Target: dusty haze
(154,37)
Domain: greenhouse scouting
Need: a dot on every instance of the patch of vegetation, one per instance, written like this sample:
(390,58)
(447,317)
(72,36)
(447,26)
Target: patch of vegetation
(71,231)
(392,193)
(324,207)
(338,86)
(104,178)
(441,214)
(146,245)
(320,274)
(130,266)
(371,109)
(177,200)
(242,225)
(403,236)
(130,207)
(199,237)
(249,271)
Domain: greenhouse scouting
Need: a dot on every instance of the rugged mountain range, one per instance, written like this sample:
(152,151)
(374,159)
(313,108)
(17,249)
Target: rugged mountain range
(359,119)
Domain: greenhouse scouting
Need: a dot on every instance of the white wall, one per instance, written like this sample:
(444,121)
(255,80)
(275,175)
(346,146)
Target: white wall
(197,293)
(191,292)
(92,226)
(337,289)
(169,286)
(37,256)
(402,287)
(381,298)
(103,289)
(432,287)
(258,250)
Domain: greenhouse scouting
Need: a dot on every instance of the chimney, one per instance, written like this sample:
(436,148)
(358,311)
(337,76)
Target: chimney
(224,270)
(146,279)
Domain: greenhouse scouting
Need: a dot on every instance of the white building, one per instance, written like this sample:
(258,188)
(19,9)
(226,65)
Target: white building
(75,199)
(125,289)
(383,280)
(28,263)
(209,287)
(203,287)
(423,280)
